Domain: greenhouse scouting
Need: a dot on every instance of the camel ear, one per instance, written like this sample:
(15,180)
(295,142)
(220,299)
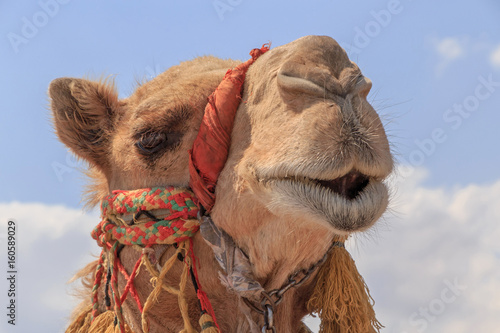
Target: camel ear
(83,113)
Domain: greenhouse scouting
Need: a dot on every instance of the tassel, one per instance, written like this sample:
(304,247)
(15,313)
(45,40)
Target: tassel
(207,324)
(112,329)
(86,324)
(102,322)
(116,329)
(341,297)
(81,323)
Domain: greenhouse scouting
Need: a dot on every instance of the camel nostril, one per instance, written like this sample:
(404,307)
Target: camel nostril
(299,78)
(348,186)
(299,85)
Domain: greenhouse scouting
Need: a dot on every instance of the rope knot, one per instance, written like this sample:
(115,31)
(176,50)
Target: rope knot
(255,53)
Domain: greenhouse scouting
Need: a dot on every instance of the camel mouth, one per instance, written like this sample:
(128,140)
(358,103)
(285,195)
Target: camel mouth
(348,186)
(349,203)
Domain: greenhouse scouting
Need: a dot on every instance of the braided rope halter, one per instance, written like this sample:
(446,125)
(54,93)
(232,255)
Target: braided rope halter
(177,227)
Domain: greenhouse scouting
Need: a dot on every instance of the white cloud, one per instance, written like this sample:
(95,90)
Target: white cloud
(39,221)
(495,57)
(434,237)
(53,242)
(438,236)
(449,49)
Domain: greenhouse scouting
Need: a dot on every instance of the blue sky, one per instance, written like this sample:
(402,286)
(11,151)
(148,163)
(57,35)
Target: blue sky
(414,84)
(427,59)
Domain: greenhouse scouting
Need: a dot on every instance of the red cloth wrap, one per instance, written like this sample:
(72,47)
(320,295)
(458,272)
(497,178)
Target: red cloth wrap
(211,146)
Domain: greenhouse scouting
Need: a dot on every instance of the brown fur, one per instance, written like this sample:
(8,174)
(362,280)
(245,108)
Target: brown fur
(304,117)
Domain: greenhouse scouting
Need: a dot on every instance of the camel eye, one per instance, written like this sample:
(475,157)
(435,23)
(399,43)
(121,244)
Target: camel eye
(151,142)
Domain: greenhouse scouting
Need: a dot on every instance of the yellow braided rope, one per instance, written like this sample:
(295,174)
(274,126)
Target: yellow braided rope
(158,279)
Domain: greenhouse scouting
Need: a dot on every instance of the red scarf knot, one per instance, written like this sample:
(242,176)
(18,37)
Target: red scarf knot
(211,147)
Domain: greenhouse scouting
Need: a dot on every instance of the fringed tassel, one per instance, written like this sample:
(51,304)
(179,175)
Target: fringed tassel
(341,297)
(81,323)
(207,324)
(103,323)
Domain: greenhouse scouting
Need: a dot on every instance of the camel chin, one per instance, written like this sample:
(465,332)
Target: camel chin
(351,203)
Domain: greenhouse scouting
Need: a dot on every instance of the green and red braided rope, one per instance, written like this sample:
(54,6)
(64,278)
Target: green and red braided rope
(175,199)
(179,225)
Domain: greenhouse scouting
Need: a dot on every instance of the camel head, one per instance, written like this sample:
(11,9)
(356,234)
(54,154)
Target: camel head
(308,158)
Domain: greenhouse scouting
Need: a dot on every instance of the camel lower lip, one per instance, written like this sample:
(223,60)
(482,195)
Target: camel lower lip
(346,215)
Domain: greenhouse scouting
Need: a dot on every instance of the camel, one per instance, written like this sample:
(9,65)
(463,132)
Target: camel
(306,165)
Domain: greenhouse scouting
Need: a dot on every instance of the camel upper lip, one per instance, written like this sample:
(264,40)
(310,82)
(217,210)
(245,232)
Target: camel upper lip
(348,186)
